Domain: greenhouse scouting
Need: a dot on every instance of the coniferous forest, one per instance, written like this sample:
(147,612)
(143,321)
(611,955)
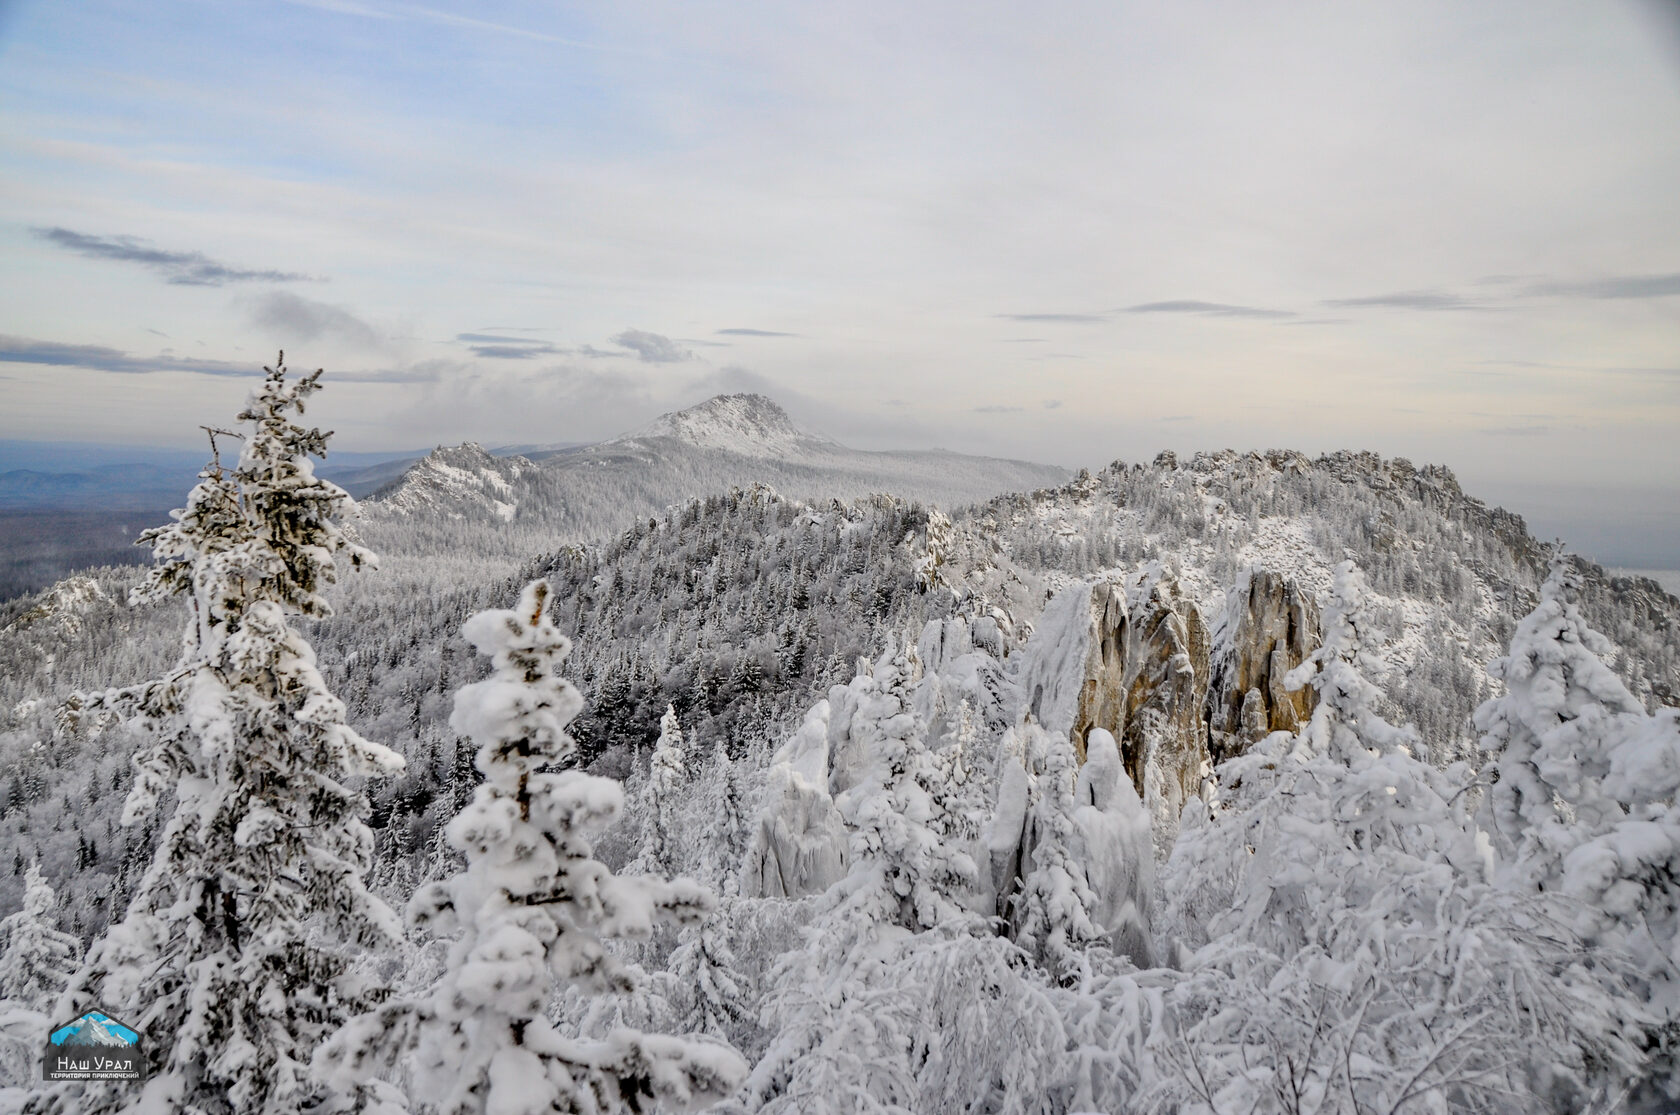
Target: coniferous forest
(1249,782)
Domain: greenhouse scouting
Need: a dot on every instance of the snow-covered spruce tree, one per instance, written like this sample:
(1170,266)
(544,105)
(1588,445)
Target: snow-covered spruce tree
(1553,736)
(532,910)
(842,1021)
(37,960)
(1345,723)
(714,994)
(234,957)
(730,829)
(1345,949)
(1052,914)
(1585,797)
(902,872)
(667,773)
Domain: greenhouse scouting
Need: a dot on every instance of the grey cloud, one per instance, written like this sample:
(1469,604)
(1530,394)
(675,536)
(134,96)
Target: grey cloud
(179,268)
(23,350)
(1620,286)
(1409,300)
(753,333)
(513,352)
(1515,431)
(1052,404)
(1062,319)
(303,319)
(1177,418)
(998,410)
(651,348)
(1211,309)
(496,338)
(492,346)
(1026,340)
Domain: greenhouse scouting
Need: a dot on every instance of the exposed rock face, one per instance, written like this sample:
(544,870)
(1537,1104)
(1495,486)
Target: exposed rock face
(1131,658)
(1270,626)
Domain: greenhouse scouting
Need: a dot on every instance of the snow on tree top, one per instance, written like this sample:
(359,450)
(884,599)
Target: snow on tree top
(751,425)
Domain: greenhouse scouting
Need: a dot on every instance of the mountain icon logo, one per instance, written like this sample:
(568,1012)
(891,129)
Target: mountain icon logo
(93,1047)
(95,1028)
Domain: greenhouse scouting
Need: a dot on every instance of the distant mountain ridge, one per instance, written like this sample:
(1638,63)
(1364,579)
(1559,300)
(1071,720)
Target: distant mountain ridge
(729,441)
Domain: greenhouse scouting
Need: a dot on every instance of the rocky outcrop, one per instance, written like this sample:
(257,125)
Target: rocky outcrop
(1269,627)
(1129,657)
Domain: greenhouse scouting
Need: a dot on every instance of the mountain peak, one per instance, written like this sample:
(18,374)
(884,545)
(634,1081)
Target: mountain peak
(750,425)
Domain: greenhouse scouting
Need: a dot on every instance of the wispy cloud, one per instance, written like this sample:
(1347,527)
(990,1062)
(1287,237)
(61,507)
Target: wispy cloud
(394,10)
(1619,286)
(1052,404)
(494,346)
(179,268)
(1056,319)
(998,410)
(652,348)
(303,319)
(1209,309)
(1409,300)
(1514,431)
(25,350)
(753,333)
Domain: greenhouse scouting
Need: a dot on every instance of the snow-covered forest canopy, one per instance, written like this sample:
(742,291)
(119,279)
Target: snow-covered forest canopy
(1244,783)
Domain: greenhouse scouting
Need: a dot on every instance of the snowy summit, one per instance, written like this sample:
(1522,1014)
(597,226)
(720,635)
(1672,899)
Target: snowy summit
(750,425)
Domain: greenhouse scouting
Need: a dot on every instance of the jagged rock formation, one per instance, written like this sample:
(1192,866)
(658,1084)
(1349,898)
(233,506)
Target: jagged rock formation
(455,482)
(1129,657)
(1269,627)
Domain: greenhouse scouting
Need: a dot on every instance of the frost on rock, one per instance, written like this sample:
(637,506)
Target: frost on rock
(531,915)
(235,954)
(1130,657)
(799,847)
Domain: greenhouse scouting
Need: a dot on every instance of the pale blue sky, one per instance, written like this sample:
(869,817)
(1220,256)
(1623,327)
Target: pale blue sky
(1069,233)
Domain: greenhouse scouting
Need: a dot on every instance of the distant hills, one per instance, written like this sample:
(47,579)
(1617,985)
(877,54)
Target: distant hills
(594,491)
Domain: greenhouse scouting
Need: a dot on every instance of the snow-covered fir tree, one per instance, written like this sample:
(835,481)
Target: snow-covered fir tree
(1345,720)
(1345,948)
(667,772)
(1053,914)
(532,912)
(235,955)
(1586,795)
(37,959)
(730,827)
(902,872)
(714,992)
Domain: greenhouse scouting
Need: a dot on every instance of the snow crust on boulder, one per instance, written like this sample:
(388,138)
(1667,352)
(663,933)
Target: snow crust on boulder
(800,845)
